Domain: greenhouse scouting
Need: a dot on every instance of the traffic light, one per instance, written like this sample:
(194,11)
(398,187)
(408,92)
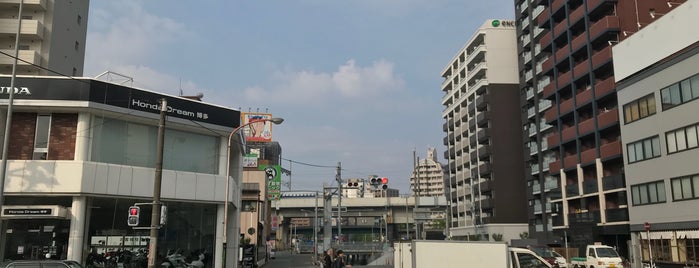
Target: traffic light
(384,182)
(134,213)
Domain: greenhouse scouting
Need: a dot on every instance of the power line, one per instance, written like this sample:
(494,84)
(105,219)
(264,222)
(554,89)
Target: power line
(307,164)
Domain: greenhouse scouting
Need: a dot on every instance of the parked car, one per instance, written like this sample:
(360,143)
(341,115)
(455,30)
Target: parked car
(42,264)
(547,254)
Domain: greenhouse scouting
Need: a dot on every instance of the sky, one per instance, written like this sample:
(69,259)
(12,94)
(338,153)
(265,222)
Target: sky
(358,82)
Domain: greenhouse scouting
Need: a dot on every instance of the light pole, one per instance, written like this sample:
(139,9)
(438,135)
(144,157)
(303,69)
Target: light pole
(274,120)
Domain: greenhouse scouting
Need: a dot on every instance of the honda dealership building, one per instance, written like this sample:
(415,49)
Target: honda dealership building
(82,151)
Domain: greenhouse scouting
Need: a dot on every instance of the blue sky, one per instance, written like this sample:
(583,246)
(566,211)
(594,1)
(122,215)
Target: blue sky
(357,81)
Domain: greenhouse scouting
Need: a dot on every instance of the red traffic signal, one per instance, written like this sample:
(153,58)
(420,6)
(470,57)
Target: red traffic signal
(384,180)
(134,213)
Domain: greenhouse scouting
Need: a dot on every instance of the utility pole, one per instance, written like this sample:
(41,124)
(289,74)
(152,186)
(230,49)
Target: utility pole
(8,121)
(157,182)
(327,214)
(338,177)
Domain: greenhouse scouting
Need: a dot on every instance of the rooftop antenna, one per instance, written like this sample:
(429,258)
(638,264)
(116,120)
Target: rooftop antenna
(181,93)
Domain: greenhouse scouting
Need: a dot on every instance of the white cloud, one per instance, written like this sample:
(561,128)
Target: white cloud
(348,81)
(126,33)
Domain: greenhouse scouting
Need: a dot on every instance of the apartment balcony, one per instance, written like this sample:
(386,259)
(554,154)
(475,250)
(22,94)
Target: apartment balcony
(613,182)
(27,5)
(30,28)
(557,4)
(481,102)
(602,89)
(545,41)
(617,215)
(555,167)
(572,190)
(549,89)
(479,85)
(568,134)
(543,19)
(30,56)
(471,107)
(564,79)
(588,156)
(576,15)
(608,118)
(487,203)
(606,24)
(484,169)
(561,54)
(547,65)
(610,150)
(560,28)
(483,135)
(579,41)
(557,220)
(484,152)
(566,106)
(476,52)
(570,161)
(550,115)
(590,186)
(602,57)
(472,140)
(555,194)
(581,69)
(482,118)
(584,217)
(474,156)
(550,183)
(486,186)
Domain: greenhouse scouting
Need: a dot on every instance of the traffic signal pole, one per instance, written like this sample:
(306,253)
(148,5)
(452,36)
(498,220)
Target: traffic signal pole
(157,182)
(339,203)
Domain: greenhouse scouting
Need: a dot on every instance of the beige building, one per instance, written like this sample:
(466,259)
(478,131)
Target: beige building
(482,130)
(53,35)
(428,177)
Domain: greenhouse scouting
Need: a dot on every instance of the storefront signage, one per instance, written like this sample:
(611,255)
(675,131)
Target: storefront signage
(34,211)
(81,89)
(18,91)
(274,180)
(27,211)
(503,23)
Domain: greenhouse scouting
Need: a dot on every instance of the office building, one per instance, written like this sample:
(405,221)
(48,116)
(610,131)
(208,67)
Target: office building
(483,136)
(83,151)
(428,177)
(52,39)
(658,88)
(565,54)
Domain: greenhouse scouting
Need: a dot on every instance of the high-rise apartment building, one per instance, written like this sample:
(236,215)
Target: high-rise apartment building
(52,37)
(428,177)
(483,135)
(658,88)
(575,167)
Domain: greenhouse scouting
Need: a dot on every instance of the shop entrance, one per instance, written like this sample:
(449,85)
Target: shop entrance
(35,239)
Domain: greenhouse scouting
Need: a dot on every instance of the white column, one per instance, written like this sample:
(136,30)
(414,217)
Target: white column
(76,237)
(600,193)
(82,137)
(218,248)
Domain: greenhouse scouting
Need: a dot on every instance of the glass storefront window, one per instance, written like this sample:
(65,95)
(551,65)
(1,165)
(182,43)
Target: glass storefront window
(127,143)
(190,229)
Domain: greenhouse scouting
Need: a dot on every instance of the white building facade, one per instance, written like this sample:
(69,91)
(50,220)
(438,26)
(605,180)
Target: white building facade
(53,36)
(658,89)
(83,151)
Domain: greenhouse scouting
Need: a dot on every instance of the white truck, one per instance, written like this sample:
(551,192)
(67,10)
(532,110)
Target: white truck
(598,256)
(440,253)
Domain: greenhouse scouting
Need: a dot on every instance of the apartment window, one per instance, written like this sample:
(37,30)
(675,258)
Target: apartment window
(684,188)
(639,108)
(648,193)
(679,93)
(41,137)
(681,139)
(644,149)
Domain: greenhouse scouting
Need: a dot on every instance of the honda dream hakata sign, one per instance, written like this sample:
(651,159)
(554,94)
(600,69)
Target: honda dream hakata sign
(95,91)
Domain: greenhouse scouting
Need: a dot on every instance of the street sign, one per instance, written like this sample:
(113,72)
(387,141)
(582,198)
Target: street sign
(647,226)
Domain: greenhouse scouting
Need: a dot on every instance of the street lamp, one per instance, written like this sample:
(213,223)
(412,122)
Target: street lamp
(274,120)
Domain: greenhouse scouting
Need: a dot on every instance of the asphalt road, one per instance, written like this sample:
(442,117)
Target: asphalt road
(285,259)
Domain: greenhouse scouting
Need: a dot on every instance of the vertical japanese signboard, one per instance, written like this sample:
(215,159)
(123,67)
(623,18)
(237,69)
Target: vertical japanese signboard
(273,174)
(260,130)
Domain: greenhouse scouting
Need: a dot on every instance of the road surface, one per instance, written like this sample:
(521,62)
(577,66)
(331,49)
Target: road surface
(285,259)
